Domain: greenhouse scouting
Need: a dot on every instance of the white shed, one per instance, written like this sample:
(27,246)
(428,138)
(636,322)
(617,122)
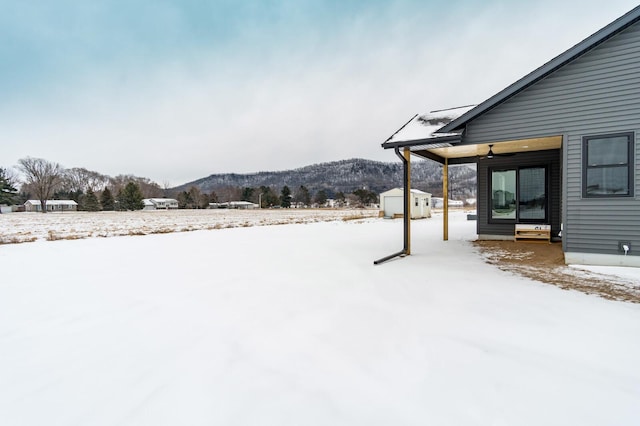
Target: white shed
(392,203)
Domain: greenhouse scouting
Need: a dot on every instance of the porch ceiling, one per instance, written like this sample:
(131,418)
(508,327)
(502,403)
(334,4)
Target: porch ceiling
(473,151)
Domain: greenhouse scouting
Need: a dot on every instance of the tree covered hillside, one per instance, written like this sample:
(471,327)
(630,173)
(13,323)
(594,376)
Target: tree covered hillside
(347,176)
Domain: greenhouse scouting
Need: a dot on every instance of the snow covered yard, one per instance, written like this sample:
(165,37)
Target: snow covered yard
(28,227)
(292,324)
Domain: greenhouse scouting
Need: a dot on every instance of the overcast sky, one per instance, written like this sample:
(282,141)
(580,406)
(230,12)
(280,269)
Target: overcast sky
(176,90)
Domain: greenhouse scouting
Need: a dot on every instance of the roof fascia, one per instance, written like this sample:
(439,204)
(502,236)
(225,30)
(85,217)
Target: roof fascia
(427,141)
(559,61)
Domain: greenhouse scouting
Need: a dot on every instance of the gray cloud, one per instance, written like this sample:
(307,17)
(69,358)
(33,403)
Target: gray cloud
(316,99)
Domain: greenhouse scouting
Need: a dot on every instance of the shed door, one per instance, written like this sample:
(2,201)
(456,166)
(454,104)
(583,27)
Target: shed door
(393,205)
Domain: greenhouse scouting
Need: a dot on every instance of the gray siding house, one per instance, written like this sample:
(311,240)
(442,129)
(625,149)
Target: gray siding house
(558,147)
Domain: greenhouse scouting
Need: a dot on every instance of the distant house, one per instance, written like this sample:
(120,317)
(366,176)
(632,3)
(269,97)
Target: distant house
(160,204)
(240,205)
(243,205)
(392,203)
(438,203)
(52,206)
(559,148)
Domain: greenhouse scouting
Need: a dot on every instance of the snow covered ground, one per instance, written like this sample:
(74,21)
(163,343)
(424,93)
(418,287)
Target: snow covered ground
(26,227)
(294,325)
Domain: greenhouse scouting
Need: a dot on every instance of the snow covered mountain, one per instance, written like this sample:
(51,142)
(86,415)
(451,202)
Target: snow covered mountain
(347,176)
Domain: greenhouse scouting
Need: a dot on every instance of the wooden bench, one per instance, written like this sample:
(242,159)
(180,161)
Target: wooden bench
(532,232)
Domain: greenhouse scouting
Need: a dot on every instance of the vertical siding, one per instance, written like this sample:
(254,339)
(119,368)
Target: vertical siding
(598,93)
(550,159)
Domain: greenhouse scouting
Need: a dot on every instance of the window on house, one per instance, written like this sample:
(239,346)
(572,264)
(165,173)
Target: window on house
(607,165)
(532,200)
(519,194)
(503,194)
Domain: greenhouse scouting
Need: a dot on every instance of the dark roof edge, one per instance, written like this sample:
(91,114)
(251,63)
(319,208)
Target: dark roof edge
(425,141)
(579,49)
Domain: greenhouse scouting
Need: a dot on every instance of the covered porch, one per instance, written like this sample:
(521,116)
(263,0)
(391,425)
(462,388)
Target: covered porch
(518,181)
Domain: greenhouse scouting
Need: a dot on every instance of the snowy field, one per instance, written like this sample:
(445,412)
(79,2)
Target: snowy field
(294,325)
(26,227)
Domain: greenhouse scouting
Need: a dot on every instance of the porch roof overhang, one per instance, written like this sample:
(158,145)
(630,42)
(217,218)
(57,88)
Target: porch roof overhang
(453,148)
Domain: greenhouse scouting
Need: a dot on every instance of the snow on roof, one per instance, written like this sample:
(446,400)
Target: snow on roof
(401,190)
(160,200)
(417,191)
(54,202)
(423,126)
(241,203)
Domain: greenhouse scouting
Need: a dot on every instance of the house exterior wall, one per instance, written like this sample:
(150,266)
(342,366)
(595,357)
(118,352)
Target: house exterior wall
(598,93)
(52,206)
(160,203)
(549,158)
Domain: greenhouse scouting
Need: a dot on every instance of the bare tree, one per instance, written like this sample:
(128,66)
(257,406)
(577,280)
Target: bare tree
(229,193)
(194,195)
(168,191)
(204,201)
(42,177)
(81,179)
(149,188)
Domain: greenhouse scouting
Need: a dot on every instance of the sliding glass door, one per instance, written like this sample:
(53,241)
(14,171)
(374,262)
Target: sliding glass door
(519,194)
(532,201)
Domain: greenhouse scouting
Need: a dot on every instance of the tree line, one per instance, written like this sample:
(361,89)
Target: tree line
(45,180)
(268,197)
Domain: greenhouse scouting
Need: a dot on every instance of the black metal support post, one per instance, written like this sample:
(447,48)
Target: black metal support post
(406,217)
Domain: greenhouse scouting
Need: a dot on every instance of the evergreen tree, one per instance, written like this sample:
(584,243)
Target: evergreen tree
(303,196)
(130,198)
(321,197)
(90,201)
(77,196)
(7,191)
(366,196)
(247,193)
(269,198)
(106,200)
(285,197)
